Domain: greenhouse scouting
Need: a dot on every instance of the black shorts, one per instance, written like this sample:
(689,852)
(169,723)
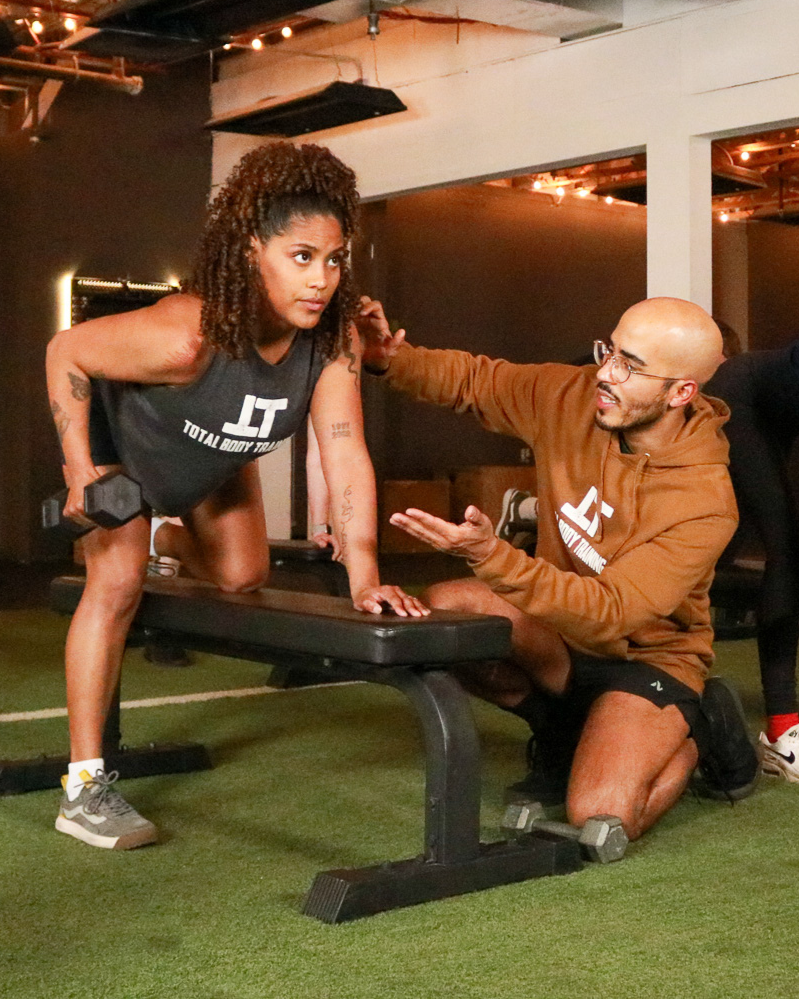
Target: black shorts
(101,443)
(593,676)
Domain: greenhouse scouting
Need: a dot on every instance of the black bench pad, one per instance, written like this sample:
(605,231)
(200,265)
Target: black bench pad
(306,623)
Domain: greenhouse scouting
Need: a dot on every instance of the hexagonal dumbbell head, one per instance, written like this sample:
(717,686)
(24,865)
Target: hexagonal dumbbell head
(113,500)
(53,516)
(603,838)
(521,816)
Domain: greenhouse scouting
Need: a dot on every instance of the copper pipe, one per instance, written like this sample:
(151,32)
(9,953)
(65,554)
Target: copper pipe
(130,84)
(53,51)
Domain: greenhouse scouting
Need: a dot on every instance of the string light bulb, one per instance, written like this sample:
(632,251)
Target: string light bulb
(583,192)
(286,31)
(537,185)
(724,217)
(257,44)
(227,46)
(37,27)
(70,23)
(745,155)
(608,200)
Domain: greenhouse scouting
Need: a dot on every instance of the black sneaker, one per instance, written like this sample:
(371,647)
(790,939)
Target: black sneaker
(548,778)
(729,767)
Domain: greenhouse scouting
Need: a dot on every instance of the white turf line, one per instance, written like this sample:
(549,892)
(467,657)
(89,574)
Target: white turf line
(159,702)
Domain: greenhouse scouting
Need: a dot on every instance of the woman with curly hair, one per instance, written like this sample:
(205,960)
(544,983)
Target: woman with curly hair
(182,396)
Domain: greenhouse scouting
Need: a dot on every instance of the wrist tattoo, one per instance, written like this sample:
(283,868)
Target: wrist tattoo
(341,430)
(60,419)
(81,388)
(347,514)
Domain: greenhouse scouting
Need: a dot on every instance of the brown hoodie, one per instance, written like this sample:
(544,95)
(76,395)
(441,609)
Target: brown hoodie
(627,543)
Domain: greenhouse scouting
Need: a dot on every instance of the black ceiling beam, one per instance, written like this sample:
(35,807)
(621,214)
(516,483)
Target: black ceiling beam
(205,18)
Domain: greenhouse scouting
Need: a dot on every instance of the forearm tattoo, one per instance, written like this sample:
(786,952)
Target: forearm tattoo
(352,365)
(347,513)
(60,419)
(341,430)
(81,387)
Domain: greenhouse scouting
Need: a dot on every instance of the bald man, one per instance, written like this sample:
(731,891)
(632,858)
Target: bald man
(611,626)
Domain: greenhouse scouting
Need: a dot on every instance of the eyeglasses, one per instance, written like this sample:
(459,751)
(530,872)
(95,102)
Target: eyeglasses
(620,367)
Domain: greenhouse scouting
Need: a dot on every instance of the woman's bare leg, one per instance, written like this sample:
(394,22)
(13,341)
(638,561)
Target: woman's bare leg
(115,566)
(224,537)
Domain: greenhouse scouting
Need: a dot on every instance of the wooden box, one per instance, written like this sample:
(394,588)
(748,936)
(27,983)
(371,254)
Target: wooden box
(397,495)
(484,486)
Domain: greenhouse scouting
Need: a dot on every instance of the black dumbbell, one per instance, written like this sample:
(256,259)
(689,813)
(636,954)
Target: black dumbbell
(109,502)
(601,839)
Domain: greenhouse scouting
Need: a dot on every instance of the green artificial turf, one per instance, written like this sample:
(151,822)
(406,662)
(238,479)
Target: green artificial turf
(312,779)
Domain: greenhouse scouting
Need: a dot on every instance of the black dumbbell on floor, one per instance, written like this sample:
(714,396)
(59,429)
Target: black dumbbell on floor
(109,502)
(601,839)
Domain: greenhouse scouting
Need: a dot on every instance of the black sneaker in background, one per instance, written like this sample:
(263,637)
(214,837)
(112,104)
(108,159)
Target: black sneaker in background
(729,767)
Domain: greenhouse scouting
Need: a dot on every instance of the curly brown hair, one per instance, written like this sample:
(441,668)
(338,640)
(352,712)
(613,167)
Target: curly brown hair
(268,188)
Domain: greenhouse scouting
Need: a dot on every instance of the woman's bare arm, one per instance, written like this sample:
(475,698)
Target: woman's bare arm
(159,344)
(338,421)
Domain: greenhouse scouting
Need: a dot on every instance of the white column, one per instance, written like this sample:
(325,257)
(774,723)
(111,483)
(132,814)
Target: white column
(275,472)
(679,234)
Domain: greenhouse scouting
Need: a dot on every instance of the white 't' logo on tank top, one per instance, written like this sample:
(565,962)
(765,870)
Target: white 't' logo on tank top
(250,404)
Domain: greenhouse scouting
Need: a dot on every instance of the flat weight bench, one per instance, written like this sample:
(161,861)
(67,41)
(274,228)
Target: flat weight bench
(326,636)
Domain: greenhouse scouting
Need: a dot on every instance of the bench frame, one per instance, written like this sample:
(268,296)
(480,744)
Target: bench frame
(453,860)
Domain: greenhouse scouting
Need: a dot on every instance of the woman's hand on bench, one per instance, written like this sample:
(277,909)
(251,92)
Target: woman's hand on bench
(388,599)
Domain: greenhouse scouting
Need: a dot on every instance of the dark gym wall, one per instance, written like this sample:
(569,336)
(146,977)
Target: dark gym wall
(773,255)
(116,188)
(497,271)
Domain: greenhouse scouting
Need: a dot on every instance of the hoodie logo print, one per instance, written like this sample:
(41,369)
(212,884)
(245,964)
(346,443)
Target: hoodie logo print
(577,515)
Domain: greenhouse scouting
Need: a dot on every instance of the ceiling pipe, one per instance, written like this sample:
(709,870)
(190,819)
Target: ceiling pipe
(53,50)
(23,67)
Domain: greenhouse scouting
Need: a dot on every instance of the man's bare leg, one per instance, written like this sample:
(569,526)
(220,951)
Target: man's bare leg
(540,659)
(633,760)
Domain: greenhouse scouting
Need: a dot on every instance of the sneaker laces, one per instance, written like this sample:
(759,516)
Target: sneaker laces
(103,796)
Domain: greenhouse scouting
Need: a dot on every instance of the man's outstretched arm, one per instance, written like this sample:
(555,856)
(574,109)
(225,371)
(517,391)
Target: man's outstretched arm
(501,395)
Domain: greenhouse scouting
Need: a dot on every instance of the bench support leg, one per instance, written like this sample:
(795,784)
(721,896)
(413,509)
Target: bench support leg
(43,772)
(454,861)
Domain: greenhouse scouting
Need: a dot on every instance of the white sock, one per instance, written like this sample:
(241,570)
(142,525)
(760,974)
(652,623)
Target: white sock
(75,781)
(528,508)
(155,523)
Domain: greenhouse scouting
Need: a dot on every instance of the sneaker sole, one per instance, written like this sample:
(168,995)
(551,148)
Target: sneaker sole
(141,838)
(698,784)
(775,766)
(502,524)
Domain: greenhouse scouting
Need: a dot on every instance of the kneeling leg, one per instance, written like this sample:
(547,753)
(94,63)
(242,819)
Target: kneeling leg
(634,760)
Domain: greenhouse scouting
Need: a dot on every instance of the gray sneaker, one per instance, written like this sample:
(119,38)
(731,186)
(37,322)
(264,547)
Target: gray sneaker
(101,817)
(510,520)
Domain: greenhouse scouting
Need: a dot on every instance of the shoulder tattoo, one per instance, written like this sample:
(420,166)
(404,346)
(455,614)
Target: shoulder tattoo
(81,388)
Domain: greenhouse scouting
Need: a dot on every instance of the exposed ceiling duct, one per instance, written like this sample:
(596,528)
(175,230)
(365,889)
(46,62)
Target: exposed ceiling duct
(571,19)
(166,30)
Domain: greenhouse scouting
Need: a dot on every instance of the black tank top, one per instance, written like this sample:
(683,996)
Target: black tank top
(183,442)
